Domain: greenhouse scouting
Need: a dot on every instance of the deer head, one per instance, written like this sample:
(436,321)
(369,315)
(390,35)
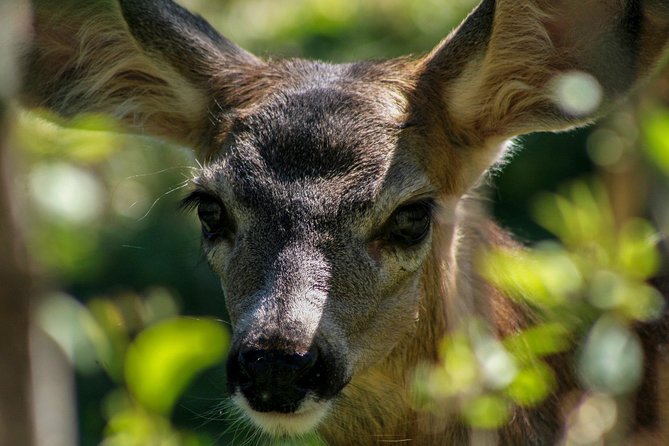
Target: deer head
(325,188)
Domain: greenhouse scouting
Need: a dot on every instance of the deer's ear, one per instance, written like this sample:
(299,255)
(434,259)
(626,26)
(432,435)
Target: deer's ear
(518,66)
(150,64)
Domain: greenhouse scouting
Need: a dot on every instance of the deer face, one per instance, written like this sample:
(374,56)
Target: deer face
(318,222)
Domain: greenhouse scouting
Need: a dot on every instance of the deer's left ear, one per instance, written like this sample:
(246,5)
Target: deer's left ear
(519,66)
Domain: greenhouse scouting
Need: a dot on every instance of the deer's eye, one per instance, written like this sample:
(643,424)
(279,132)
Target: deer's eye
(211,215)
(214,219)
(411,223)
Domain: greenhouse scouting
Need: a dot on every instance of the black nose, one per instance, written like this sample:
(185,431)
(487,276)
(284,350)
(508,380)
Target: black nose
(263,363)
(274,380)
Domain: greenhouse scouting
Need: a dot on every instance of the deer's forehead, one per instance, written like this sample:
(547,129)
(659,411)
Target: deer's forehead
(319,144)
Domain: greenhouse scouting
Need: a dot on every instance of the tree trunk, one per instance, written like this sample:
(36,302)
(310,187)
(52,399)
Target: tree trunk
(15,394)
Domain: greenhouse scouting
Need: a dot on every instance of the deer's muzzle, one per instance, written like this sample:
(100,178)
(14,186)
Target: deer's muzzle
(279,380)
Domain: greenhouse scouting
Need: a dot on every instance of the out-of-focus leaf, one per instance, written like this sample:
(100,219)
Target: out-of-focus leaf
(540,340)
(498,367)
(486,412)
(66,250)
(532,385)
(612,358)
(634,300)
(134,426)
(580,216)
(656,131)
(165,357)
(637,254)
(75,330)
(85,139)
(460,364)
(545,277)
(642,303)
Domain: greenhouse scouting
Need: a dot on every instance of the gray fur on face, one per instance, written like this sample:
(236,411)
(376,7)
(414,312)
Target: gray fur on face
(309,184)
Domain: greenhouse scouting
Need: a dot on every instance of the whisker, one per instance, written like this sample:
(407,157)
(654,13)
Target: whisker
(170,191)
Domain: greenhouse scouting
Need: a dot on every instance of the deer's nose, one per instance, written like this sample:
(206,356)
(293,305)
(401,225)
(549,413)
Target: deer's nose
(275,380)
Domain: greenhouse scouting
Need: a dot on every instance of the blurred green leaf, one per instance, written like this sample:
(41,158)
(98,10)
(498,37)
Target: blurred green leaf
(110,318)
(84,139)
(165,357)
(486,412)
(637,253)
(460,364)
(134,426)
(642,303)
(532,385)
(66,250)
(540,340)
(580,215)
(634,300)
(655,127)
(545,277)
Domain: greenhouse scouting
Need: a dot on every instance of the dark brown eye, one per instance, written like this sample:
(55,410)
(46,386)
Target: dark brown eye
(210,213)
(213,217)
(410,224)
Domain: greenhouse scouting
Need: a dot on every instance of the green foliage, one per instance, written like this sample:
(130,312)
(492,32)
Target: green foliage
(656,129)
(586,293)
(149,352)
(325,29)
(164,358)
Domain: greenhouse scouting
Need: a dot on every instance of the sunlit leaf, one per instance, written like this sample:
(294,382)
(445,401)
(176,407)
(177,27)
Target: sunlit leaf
(165,357)
(607,290)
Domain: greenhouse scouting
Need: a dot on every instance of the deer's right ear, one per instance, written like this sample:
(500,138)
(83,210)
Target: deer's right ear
(150,64)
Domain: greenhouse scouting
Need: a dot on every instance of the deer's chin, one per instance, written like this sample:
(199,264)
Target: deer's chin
(305,419)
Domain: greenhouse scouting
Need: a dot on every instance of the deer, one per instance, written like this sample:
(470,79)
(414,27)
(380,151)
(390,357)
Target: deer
(335,199)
